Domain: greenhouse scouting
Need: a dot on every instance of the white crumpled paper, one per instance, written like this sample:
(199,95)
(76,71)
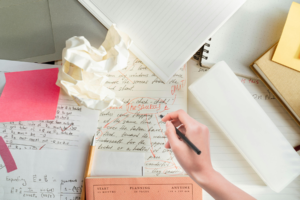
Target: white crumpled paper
(84,69)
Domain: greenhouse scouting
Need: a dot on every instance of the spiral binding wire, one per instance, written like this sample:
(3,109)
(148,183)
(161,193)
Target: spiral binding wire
(199,54)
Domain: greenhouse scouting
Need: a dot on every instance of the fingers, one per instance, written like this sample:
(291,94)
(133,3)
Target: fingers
(176,122)
(167,145)
(180,115)
(182,129)
(171,135)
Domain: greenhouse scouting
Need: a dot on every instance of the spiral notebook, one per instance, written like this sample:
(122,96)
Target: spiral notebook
(248,34)
(165,34)
(201,53)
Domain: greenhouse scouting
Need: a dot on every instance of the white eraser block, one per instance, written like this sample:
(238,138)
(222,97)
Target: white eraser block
(247,126)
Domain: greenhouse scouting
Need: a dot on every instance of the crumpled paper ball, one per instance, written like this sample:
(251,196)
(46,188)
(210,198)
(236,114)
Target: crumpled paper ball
(84,69)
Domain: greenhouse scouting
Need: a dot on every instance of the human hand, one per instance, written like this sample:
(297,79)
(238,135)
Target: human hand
(198,167)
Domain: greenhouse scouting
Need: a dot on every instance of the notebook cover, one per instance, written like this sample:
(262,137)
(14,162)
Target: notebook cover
(288,49)
(284,79)
(166,188)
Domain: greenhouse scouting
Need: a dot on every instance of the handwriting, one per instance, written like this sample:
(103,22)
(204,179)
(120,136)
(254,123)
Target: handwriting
(135,126)
(61,133)
(42,187)
(268,96)
(50,174)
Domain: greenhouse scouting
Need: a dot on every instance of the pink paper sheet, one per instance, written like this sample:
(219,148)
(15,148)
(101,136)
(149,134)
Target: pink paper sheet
(29,95)
(6,156)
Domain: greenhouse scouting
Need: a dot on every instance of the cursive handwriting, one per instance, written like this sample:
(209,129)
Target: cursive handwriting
(136,126)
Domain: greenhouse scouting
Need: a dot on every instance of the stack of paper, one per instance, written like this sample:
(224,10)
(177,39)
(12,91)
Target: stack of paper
(282,81)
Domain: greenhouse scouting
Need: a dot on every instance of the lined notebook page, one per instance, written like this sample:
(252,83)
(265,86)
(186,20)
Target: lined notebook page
(165,33)
(226,158)
(136,126)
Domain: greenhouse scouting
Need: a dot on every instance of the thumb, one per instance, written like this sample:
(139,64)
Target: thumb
(171,135)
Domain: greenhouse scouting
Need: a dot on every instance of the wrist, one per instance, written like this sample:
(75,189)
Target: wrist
(205,178)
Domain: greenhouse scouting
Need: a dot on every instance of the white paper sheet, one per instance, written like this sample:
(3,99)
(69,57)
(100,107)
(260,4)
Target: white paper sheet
(2,81)
(108,163)
(136,126)
(247,126)
(44,174)
(58,175)
(15,66)
(72,128)
(226,158)
(165,33)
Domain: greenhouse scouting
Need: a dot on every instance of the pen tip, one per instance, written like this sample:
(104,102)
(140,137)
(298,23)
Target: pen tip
(161,116)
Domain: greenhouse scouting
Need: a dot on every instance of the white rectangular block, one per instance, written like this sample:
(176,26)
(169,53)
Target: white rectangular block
(247,126)
(110,163)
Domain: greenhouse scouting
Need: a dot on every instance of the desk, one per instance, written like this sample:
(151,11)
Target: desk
(226,158)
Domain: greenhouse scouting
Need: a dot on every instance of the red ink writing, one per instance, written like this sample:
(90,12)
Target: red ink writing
(178,87)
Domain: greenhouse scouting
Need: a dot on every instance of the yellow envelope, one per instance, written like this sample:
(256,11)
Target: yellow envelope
(288,49)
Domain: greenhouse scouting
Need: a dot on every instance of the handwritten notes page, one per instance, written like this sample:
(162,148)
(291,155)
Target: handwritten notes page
(226,158)
(136,126)
(73,127)
(44,175)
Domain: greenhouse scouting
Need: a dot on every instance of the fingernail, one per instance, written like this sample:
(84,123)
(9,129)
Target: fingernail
(168,123)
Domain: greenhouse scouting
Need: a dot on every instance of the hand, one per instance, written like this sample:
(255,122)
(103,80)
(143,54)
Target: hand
(196,166)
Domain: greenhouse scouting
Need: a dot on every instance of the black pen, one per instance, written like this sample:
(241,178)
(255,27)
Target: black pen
(186,140)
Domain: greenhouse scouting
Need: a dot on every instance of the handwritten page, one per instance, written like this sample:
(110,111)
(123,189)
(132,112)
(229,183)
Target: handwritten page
(44,175)
(136,126)
(53,174)
(72,128)
(226,158)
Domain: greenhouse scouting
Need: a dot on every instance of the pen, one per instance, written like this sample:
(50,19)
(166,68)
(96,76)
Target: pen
(88,167)
(297,148)
(186,140)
